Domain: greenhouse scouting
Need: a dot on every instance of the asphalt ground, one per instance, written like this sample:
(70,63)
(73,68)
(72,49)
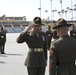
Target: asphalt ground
(12,63)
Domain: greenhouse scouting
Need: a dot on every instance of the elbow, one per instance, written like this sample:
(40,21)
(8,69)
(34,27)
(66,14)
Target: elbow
(18,41)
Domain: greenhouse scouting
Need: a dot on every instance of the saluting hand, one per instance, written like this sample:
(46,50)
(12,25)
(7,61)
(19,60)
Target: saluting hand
(28,28)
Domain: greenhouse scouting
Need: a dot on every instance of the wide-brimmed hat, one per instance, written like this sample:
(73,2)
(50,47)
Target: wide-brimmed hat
(61,22)
(37,21)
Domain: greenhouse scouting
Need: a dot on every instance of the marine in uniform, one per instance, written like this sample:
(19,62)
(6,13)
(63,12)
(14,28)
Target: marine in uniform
(73,32)
(36,60)
(49,36)
(63,51)
(2,40)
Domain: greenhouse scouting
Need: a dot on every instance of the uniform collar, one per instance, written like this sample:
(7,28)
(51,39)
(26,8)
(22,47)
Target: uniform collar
(65,35)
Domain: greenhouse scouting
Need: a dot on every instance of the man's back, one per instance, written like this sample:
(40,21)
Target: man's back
(65,52)
(65,49)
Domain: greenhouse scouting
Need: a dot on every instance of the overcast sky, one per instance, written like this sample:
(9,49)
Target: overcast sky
(29,8)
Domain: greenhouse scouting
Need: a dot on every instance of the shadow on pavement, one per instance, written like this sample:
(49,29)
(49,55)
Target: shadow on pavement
(3,55)
(2,62)
(14,54)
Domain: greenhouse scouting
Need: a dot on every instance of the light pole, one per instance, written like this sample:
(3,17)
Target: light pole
(39,11)
(66,13)
(75,10)
(40,7)
(51,9)
(72,9)
(46,14)
(59,14)
(53,13)
(61,8)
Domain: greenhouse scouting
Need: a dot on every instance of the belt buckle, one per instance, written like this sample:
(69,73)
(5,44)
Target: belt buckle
(38,49)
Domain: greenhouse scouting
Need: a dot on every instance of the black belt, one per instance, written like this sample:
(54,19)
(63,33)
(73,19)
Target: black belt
(36,49)
(66,64)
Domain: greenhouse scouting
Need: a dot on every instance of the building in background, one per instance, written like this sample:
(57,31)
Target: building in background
(18,24)
(13,24)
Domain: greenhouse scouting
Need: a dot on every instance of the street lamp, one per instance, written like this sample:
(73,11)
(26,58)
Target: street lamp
(40,7)
(51,9)
(53,13)
(39,11)
(72,9)
(46,14)
(61,7)
(66,13)
(59,14)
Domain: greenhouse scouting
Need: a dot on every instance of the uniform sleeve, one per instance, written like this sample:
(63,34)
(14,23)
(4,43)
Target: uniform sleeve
(21,37)
(52,60)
